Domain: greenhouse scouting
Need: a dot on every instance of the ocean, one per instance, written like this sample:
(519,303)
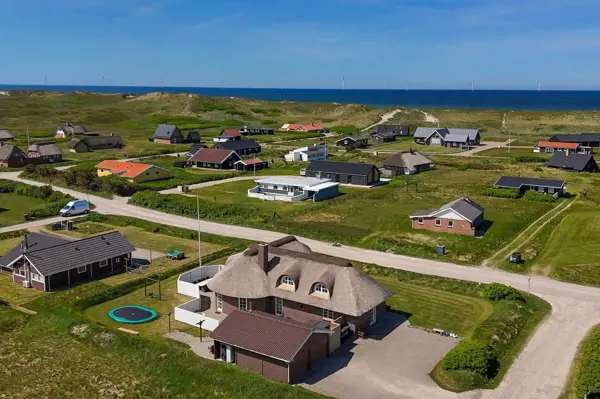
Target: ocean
(517,100)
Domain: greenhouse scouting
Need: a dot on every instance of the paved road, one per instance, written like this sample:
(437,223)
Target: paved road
(485,145)
(541,369)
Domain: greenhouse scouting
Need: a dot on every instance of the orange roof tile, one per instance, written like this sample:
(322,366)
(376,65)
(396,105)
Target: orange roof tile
(554,144)
(122,168)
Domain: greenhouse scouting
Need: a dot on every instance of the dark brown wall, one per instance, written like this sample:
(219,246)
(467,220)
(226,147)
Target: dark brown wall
(231,303)
(96,272)
(34,284)
(361,323)
(311,353)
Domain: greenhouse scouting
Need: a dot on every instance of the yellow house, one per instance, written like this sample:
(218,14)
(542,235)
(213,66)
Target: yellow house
(133,172)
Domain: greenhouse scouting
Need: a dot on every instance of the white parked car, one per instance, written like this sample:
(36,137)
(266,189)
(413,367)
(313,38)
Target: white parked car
(77,207)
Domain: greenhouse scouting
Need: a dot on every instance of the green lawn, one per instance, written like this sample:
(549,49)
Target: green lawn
(572,252)
(514,152)
(585,372)
(432,308)
(15,294)
(8,244)
(13,207)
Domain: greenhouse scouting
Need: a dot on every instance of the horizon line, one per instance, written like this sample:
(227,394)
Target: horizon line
(161,88)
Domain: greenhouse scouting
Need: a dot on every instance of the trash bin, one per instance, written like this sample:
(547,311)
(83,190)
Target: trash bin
(440,249)
(69,225)
(26,216)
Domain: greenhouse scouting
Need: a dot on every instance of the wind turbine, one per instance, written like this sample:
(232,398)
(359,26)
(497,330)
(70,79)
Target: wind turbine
(472,85)
(539,85)
(282,83)
(221,83)
(343,83)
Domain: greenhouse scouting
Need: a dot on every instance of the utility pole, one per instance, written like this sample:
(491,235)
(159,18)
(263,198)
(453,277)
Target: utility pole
(28,144)
(199,241)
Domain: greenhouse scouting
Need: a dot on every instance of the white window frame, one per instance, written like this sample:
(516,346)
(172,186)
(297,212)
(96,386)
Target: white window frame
(450,224)
(278,306)
(82,269)
(117,260)
(372,316)
(438,222)
(243,303)
(287,280)
(37,277)
(104,263)
(321,288)
(420,221)
(219,299)
(20,271)
(328,314)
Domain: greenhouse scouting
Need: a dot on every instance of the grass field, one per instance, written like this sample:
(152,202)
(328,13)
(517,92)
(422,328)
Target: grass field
(8,244)
(572,252)
(15,294)
(372,218)
(431,308)
(585,372)
(13,207)
(514,152)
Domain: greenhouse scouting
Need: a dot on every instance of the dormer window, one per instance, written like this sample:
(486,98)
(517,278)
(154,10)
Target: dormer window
(287,283)
(320,290)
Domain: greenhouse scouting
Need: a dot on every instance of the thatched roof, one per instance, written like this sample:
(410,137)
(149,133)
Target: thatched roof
(351,291)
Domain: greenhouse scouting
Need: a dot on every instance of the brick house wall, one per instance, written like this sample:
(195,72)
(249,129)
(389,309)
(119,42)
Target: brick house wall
(300,312)
(362,323)
(162,141)
(462,227)
(230,304)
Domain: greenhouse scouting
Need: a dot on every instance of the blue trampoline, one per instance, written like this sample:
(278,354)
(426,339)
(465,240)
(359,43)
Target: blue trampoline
(132,314)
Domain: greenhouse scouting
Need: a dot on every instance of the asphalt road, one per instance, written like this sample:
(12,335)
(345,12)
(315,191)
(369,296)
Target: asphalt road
(540,371)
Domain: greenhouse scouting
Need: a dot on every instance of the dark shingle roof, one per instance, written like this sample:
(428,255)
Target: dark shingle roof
(394,129)
(35,241)
(164,131)
(237,145)
(71,254)
(576,138)
(348,168)
(193,134)
(45,149)
(73,143)
(263,333)
(211,155)
(517,182)
(572,161)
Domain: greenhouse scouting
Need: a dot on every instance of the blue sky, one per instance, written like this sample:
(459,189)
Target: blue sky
(310,43)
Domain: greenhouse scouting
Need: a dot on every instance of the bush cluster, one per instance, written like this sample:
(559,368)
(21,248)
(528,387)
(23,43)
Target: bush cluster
(55,199)
(84,178)
(530,158)
(497,292)
(473,355)
(536,197)
(502,193)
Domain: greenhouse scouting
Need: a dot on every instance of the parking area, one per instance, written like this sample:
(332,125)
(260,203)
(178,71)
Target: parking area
(392,362)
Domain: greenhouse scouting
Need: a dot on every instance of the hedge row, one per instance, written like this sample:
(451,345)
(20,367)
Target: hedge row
(536,197)
(13,234)
(502,193)
(530,158)
(473,355)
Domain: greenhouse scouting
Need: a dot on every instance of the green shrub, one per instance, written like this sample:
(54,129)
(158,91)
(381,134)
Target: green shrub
(473,355)
(345,129)
(55,199)
(530,158)
(96,217)
(536,197)
(588,378)
(13,234)
(497,292)
(502,192)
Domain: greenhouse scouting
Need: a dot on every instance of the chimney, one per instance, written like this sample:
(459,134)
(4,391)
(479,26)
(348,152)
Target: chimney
(263,257)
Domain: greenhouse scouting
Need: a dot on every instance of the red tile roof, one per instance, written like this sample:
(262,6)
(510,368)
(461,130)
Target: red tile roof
(211,155)
(259,332)
(553,144)
(231,132)
(122,168)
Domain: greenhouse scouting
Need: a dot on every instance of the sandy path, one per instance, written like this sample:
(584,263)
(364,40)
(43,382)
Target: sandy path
(384,118)
(429,118)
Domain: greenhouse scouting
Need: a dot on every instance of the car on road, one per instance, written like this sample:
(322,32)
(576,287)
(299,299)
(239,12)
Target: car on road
(77,207)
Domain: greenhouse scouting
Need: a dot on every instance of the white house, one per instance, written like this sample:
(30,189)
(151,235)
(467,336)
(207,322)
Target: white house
(294,189)
(315,152)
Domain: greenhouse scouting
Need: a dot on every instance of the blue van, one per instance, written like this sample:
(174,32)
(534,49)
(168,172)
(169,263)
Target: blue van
(77,207)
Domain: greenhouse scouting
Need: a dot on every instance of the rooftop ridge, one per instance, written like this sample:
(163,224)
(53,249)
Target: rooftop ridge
(278,319)
(72,242)
(315,257)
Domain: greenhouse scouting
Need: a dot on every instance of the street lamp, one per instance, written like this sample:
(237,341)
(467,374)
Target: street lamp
(169,314)
(200,326)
